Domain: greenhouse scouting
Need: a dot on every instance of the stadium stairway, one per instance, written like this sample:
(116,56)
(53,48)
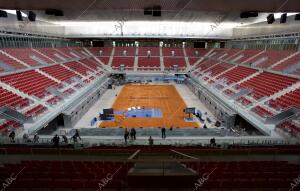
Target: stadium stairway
(161,59)
(186,58)
(136,59)
(111,57)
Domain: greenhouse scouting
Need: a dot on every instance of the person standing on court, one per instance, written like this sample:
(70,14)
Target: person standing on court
(133,134)
(163,133)
(126,135)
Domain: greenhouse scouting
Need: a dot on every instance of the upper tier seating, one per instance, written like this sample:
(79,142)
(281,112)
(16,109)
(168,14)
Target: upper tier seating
(168,52)
(291,99)
(149,62)
(59,72)
(126,61)
(218,53)
(91,63)
(288,63)
(104,60)
(79,51)
(30,82)
(229,53)
(76,66)
(8,98)
(270,56)
(119,51)
(154,51)
(266,84)
(219,68)
(191,52)
(67,52)
(205,65)
(106,51)
(170,61)
(237,74)
(244,55)
(10,62)
(53,54)
(26,54)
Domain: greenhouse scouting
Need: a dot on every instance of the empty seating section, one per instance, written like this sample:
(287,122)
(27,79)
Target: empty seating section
(229,53)
(8,125)
(53,54)
(168,52)
(205,65)
(103,51)
(104,60)
(170,61)
(244,55)
(266,84)
(154,51)
(219,68)
(9,99)
(217,53)
(244,101)
(37,110)
(120,51)
(59,72)
(91,63)
(10,62)
(262,112)
(66,174)
(67,53)
(149,62)
(291,99)
(192,52)
(237,74)
(26,55)
(126,61)
(79,51)
(290,127)
(30,82)
(288,63)
(193,60)
(268,58)
(246,175)
(76,66)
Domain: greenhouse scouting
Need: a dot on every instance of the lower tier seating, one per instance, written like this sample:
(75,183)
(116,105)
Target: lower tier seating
(262,112)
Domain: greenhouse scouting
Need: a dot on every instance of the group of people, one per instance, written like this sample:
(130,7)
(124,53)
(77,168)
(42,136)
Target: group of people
(26,138)
(129,135)
(56,140)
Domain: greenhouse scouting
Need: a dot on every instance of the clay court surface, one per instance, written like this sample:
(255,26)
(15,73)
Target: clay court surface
(163,97)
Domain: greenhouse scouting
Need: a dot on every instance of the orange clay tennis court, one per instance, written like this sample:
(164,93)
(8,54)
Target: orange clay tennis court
(163,97)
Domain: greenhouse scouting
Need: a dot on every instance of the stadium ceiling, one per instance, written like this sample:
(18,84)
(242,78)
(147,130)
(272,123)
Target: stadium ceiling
(133,10)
